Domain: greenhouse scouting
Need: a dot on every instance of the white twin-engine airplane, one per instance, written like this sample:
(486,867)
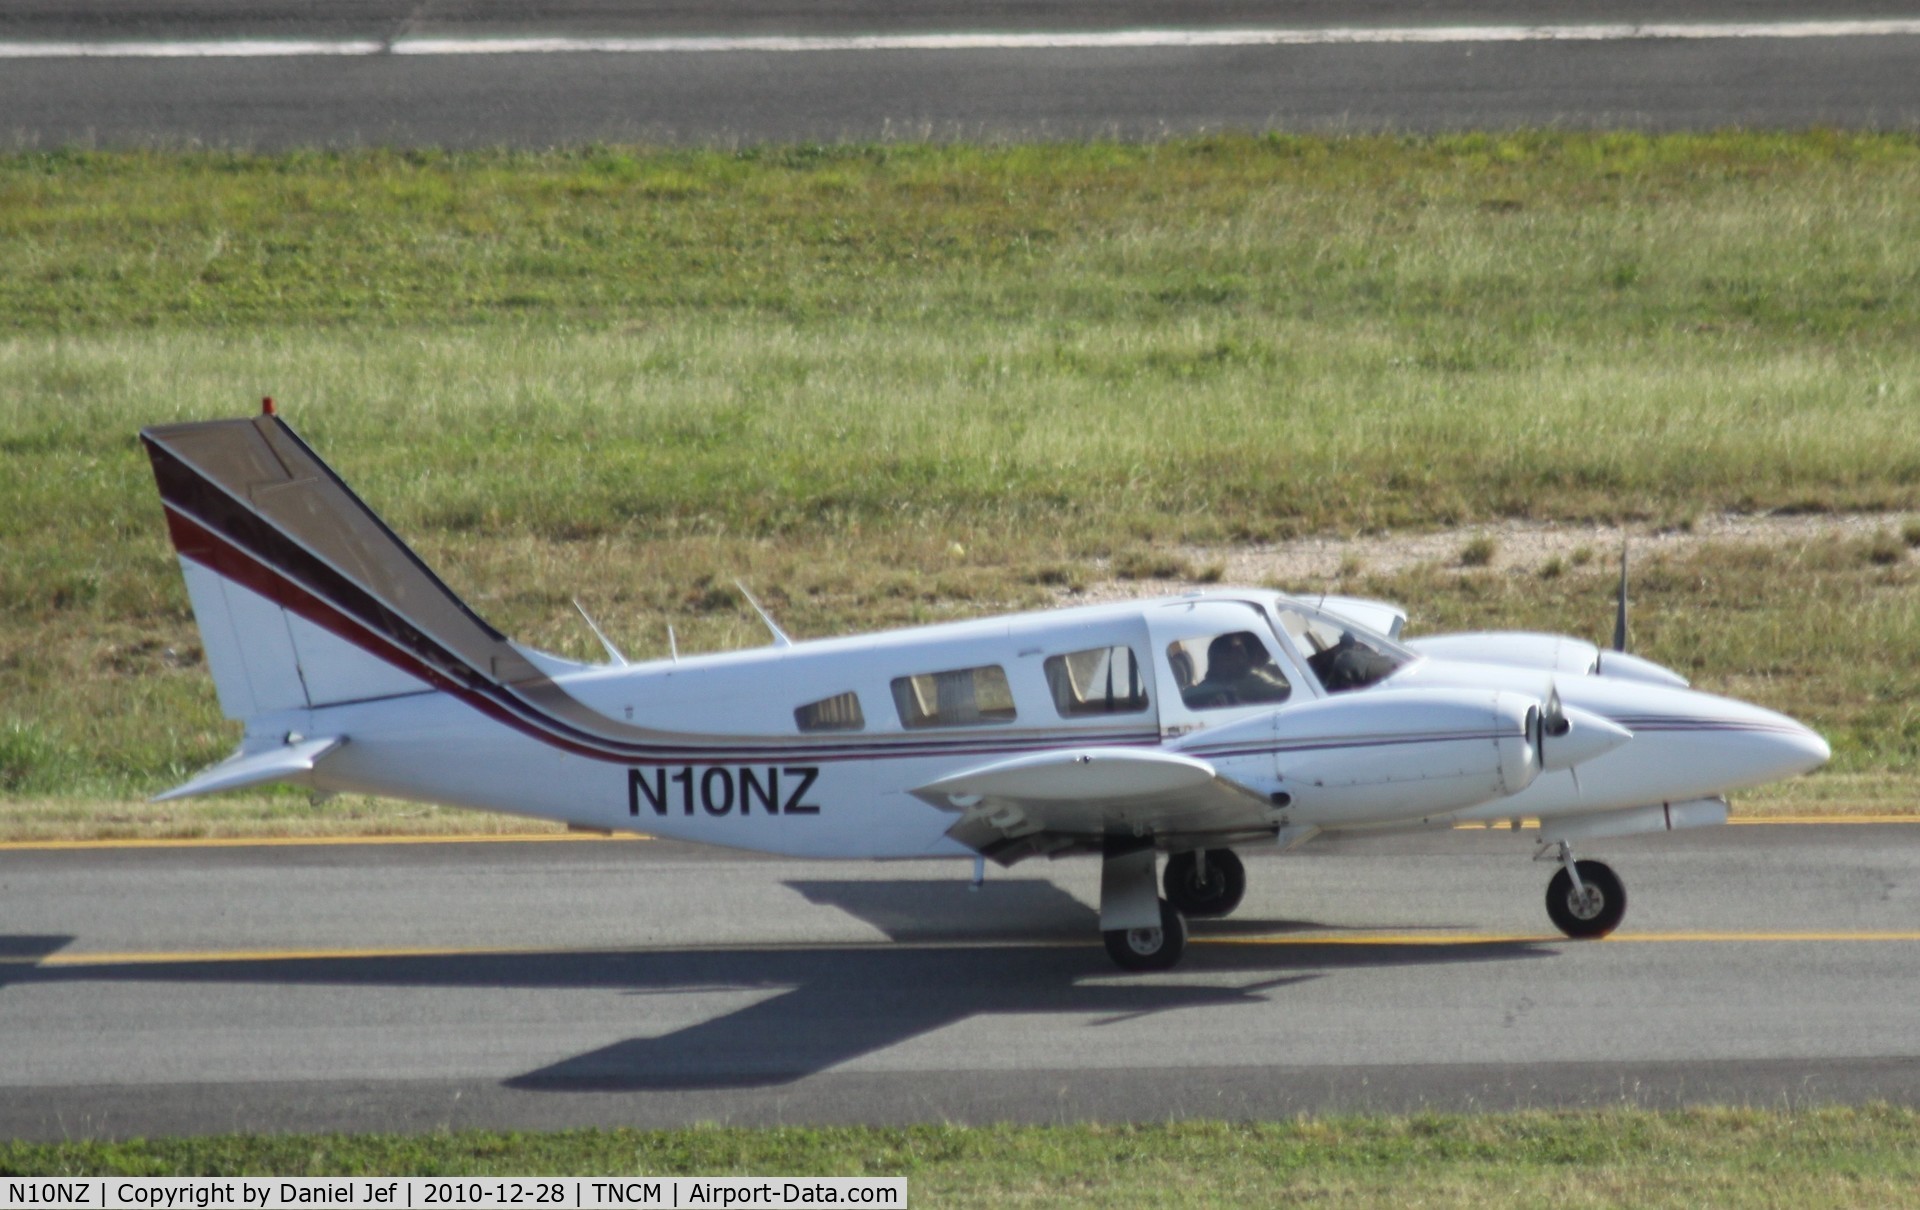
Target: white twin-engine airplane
(1191,726)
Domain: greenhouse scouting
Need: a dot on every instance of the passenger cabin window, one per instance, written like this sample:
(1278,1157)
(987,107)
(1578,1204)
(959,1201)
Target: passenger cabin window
(1234,669)
(1341,657)
(963,697)
(1099,680)
(841,712)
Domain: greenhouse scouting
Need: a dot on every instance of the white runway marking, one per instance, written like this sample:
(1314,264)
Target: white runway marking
(1132,39)
(250,48)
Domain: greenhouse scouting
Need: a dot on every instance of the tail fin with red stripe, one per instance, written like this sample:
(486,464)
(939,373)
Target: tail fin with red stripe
(304,597)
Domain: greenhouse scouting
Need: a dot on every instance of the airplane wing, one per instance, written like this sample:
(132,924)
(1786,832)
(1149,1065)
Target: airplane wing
(1070,800)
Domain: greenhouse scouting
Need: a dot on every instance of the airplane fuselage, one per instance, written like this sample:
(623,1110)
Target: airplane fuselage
(731,766)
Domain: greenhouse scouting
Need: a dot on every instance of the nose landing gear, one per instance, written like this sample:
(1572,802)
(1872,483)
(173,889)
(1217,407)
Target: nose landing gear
(1586,899)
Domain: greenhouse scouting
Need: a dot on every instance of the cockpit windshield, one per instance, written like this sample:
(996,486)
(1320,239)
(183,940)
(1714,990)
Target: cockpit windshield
(1343,654)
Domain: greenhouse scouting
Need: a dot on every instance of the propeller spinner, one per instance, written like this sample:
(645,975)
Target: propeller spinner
(1567,736)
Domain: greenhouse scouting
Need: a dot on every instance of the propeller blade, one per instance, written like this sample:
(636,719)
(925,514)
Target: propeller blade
(1553,720)
(1620,611)
(1547,721)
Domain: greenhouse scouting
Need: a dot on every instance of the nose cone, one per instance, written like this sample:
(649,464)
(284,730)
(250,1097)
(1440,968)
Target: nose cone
(1754,746)
(1802,749)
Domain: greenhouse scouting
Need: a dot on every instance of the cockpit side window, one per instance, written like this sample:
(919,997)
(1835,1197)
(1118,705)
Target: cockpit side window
(1342,657)
(1220,670)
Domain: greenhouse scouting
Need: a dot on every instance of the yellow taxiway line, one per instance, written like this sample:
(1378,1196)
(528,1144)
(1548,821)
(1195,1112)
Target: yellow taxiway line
(1800,821)
(1456,939)
(163,957)
(1788,821)
(289,842)
(245,842)
(1301,940)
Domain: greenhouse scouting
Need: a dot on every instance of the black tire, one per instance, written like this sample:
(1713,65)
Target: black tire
(1599,913)
(1149,949)
(1215,895)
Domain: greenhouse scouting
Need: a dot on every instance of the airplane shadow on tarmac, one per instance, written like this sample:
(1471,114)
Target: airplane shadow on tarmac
(20,951)
(1013,948)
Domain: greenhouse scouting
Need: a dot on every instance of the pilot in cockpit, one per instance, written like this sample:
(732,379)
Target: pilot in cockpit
(1239,673)
(1349,664)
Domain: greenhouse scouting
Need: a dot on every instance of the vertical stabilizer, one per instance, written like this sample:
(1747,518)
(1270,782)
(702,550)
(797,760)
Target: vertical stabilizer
(303,596)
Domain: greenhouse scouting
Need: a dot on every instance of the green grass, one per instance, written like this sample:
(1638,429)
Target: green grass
(1722,1157)
(1228,337)
(272,812)
(907,383)
(1800,233)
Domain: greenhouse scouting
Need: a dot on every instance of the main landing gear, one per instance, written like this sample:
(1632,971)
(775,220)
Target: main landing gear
(1144,932)
(1157,948)
(1205,883)
(1586,898)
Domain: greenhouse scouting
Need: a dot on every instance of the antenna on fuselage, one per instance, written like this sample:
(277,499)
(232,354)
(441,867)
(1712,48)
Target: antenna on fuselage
(1620,609)
(780,638)
(599,634)
(673,648)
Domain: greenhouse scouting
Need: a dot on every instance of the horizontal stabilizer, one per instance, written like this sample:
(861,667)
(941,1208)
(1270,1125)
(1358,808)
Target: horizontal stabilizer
(256,768)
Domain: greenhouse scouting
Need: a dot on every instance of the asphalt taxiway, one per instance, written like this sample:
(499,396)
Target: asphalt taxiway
(167,989)
(279,73)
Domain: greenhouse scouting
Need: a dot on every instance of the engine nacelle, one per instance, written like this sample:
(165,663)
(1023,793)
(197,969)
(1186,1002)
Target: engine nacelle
(1556,653)
(1514,649)
(1385,754)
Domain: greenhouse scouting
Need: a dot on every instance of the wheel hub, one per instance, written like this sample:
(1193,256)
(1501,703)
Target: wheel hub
(1145,942)
(1207,886)
(1586,903)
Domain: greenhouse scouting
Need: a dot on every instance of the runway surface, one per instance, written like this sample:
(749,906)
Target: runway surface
(385,72)
(167,990)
